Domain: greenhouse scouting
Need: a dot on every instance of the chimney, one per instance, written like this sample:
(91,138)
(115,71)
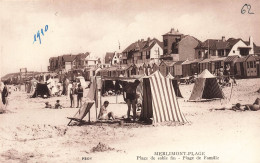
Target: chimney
(172,30)
(148,39)
(223,38)
(142,40)
(251,42)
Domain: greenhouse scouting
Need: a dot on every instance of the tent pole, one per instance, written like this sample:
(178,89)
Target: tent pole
(89,117)
(116,98)
(100,92)
(96,97)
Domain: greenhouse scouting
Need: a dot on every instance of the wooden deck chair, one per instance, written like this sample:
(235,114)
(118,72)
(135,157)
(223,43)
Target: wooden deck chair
(81,113)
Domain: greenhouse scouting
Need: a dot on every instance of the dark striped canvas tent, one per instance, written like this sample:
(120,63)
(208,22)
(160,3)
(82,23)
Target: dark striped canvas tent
(159,100)
(206,87)
(175,85)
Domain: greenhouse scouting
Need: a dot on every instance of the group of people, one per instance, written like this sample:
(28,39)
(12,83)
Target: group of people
(56,106)
(130,97)
(76,94)
(225,78)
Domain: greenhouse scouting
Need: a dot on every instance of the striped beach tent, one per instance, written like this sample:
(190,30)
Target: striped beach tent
(206,87)
(159,100)
(175,85)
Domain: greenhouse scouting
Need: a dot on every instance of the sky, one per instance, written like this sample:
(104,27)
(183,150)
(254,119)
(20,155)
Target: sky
(99,26)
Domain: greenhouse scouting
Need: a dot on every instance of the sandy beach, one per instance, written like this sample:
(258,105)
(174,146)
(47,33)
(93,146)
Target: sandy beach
(32,133)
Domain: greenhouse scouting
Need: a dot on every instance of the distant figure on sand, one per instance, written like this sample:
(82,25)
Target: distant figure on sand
(130,97)
(5,94)
(103,115)
(251,107)
(236,107)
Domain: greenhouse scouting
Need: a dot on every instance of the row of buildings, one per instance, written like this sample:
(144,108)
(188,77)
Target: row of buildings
(65,63)
(184,55)
(244,67)
(178,54)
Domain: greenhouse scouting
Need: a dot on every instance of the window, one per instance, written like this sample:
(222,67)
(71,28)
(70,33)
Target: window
(165,42)
(247,64)
(233,51)
(251,64)
(254,64)
(148,55)
(221,52)
(165,51)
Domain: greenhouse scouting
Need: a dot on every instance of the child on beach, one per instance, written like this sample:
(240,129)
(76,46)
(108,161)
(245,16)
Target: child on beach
(58,105)
(47,105)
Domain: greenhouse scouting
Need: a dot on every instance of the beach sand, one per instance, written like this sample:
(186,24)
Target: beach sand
(31,133)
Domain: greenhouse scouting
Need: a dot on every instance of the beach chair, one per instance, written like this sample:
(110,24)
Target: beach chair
(81,113)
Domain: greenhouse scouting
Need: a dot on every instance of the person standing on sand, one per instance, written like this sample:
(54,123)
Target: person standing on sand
(80,95)
(130,97)
(5,94)
(69,87)
(1,102)
(73,96)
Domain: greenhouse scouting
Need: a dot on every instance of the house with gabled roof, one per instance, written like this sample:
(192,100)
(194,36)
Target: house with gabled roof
(256,50)
(53,64)
(68,62)
(108,57)
(143,51)
(81,60)
(179,47)
(114,58)
(213,48)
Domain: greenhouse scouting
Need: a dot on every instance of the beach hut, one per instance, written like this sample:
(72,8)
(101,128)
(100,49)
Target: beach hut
(205,64)
(194,65)
(230,61)
(216,64)
(155,67)
(163,68)
(178,68)
(186,68)
(246,67)
(206,87)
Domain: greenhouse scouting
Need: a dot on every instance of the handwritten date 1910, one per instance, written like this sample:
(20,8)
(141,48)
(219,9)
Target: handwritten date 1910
(38,35)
